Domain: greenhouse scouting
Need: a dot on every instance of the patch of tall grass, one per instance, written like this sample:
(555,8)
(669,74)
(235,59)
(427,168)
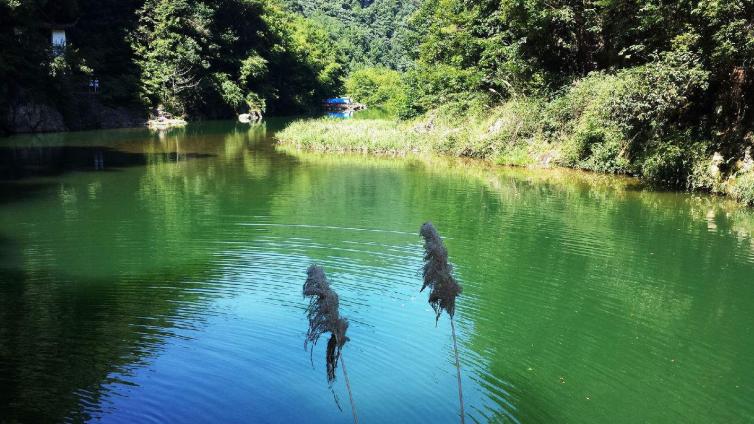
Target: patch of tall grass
(352,135)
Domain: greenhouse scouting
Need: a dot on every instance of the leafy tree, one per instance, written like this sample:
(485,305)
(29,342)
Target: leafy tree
(377,87)
(173,46)
(212,57)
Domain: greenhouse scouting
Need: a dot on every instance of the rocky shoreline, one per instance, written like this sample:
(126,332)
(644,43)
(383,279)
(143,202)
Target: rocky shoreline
(85,112)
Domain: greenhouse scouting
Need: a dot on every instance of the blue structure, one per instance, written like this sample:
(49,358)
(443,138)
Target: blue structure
(340,115)
(339,101)
(342,104)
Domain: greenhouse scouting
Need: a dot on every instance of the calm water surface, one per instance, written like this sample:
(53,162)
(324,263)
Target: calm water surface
(157,278)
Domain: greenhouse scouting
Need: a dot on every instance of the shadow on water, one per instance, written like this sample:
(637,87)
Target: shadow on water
(86,298)
(63,338)
(19,192)
(27,169)
(17,163)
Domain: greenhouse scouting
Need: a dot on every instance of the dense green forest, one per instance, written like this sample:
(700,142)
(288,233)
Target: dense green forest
(369,32)
(203,58)
(693,57)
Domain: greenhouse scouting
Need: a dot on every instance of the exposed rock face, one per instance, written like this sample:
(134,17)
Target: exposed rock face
(33,117)
(714,167)
(120,117)
(24,115)
(246,118)
(88,113)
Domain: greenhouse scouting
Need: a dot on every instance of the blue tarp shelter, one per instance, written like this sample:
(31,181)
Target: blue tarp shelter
(339,101)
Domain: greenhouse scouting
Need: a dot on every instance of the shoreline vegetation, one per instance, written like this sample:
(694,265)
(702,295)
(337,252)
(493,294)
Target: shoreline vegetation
(532,133)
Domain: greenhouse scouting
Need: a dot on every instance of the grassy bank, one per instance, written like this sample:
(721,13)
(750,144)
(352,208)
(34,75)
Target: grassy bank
(353,135)
(621,124)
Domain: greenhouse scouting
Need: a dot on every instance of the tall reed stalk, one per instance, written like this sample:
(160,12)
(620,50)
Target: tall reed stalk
(324,317)
(443,288)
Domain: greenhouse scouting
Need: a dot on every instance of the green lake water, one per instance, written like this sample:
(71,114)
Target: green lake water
(150,278)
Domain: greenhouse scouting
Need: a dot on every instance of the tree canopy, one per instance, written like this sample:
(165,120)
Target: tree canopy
(205,58)
(373,33)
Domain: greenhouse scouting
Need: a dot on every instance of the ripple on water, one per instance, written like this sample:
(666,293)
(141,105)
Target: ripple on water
(171,292)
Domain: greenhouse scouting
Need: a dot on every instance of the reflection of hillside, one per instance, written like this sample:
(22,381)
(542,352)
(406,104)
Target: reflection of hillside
(107,264)
(19,163)
(607,191)
(575,283)
(63,336)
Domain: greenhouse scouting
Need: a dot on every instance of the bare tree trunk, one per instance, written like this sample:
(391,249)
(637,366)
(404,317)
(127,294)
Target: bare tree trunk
(348,386)
(458,369)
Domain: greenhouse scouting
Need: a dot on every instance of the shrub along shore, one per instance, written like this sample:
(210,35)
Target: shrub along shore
(595,125)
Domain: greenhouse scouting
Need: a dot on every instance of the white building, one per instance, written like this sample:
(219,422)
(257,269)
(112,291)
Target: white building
(58,41)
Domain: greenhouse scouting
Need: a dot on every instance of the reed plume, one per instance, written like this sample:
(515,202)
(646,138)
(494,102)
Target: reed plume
(443,287)
(438,273)
(324,317)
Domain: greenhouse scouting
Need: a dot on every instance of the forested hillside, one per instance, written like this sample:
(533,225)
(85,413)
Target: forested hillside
(701,49)
(369,32)
(659,89)
(203,58)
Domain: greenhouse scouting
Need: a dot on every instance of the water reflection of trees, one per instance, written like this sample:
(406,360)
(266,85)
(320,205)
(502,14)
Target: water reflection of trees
(575,284)
(63,336)
(110,264)
(566,274)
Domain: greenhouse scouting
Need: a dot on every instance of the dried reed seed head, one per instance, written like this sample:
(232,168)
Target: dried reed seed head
(324,317)
(438,273)
(334,346)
